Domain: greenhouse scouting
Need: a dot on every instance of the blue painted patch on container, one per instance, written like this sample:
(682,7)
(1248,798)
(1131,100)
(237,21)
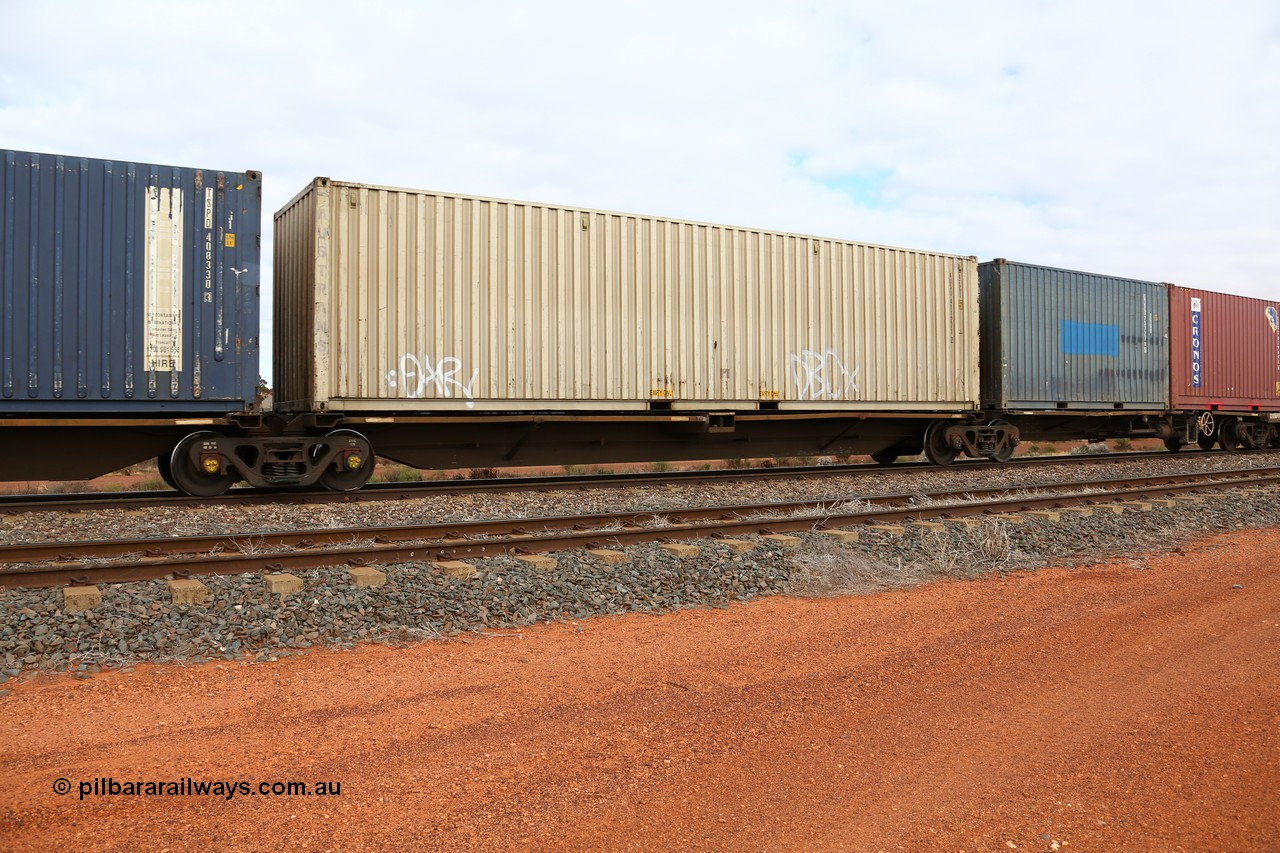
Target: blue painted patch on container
(1089,338)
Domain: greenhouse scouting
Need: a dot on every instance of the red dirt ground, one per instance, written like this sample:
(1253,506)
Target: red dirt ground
(1108,708)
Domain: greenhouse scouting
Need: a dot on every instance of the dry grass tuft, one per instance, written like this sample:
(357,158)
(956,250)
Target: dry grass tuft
(969,552)
(827,568)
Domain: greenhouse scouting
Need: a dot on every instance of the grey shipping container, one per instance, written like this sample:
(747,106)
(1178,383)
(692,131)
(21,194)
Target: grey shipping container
(1061,339)
(391,300)
(127,287)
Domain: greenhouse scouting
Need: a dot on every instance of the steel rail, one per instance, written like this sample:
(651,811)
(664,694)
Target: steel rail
(312,538)
(18,503)
(567,532)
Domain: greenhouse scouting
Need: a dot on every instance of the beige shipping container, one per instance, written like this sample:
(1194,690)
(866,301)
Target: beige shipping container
(392,300)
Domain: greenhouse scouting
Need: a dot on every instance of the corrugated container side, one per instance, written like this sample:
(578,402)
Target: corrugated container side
(1055,339)
(127,287)
(1226,351)
(477,304)
(294,264)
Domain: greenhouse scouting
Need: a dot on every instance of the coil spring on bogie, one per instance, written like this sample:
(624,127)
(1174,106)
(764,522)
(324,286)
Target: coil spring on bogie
(985,440)
(283,469)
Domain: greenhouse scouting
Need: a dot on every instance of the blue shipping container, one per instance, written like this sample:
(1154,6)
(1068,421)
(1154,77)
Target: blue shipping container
(127,287)
(1061,339)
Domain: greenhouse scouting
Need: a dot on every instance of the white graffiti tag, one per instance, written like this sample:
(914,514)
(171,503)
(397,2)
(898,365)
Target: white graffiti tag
(417,375)
(822,375)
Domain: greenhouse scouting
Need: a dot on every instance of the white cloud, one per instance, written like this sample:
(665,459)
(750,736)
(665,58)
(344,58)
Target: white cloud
(1135,139)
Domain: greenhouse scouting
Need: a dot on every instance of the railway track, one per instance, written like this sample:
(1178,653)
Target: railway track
(407,491)
(54,564)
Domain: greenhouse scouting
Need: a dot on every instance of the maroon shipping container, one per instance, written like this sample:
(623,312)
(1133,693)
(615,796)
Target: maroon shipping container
(1224,350)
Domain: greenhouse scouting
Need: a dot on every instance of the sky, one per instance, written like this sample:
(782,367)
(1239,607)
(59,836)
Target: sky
(1137,139)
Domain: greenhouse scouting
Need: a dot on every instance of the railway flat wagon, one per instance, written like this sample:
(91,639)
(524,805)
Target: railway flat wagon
(1225,367)
(505,319)
(130,302)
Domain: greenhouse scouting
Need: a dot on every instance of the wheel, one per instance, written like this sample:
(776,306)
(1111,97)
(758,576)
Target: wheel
(1173,444)
(1005,453)
(1206,442)
(936,447)
(186,467)
(886,456)
(353,466)
(1273,437)
(166,473)
(1228,439)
